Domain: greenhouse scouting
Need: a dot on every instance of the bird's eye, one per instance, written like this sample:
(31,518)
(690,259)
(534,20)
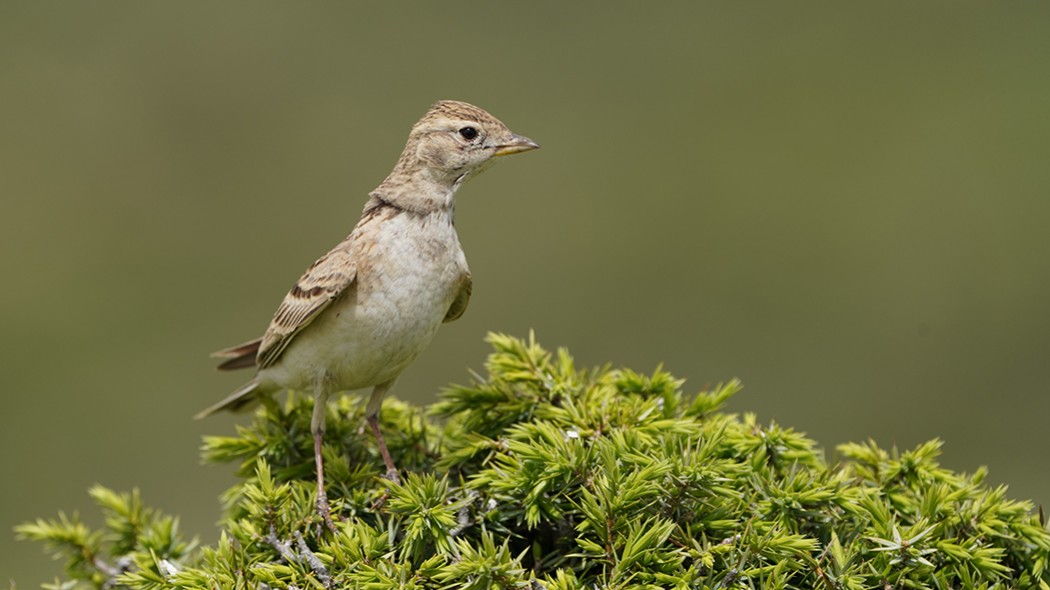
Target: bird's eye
(468,133)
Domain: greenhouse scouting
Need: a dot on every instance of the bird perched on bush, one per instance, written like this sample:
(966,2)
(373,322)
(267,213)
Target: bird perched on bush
(366,309)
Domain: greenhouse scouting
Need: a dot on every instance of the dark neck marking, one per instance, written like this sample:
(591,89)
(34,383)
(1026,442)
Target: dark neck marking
(380,200)
(377,203)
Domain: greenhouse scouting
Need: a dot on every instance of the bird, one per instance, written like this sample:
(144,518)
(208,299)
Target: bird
(365,310)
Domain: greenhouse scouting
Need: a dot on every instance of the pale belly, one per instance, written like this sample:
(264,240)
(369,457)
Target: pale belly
(374,331)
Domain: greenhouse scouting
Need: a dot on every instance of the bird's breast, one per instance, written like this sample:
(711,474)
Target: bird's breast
(408,273)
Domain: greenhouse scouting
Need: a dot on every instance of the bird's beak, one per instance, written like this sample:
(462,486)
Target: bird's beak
(514,145)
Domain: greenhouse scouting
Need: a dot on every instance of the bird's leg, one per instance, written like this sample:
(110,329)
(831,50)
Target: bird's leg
(317,429)
(375,403)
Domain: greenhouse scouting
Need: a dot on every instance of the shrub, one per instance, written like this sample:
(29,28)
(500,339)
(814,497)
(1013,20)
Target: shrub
(542,475)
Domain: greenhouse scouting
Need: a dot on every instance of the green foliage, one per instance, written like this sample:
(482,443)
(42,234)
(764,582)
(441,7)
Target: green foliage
(137,544)
(540,475)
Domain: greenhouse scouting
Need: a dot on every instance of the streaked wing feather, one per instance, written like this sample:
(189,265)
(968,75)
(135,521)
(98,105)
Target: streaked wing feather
(241,356)
(237,351)
(321,284)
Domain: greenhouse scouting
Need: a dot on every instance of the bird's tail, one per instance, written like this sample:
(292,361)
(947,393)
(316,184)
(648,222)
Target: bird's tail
(243,398)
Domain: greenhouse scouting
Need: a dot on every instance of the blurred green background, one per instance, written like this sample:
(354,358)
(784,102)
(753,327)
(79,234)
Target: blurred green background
(844,205)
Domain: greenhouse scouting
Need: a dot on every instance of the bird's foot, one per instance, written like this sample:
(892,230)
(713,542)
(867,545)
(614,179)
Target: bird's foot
(324,511)
(390,475)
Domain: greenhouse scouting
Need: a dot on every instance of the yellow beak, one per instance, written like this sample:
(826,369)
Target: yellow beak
(516,145)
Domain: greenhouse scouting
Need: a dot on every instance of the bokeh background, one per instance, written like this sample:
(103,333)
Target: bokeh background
(846,206)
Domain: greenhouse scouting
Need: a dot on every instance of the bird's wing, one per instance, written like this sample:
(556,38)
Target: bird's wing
(459,305)
(238,357)
(328,278)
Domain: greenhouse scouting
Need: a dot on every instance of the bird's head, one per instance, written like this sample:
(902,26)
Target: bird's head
(457,140)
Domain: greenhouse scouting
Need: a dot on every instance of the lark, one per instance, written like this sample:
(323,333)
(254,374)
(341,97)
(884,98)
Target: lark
(366,309)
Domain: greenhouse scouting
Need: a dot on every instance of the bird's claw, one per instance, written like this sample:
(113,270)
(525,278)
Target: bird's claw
(324,511)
